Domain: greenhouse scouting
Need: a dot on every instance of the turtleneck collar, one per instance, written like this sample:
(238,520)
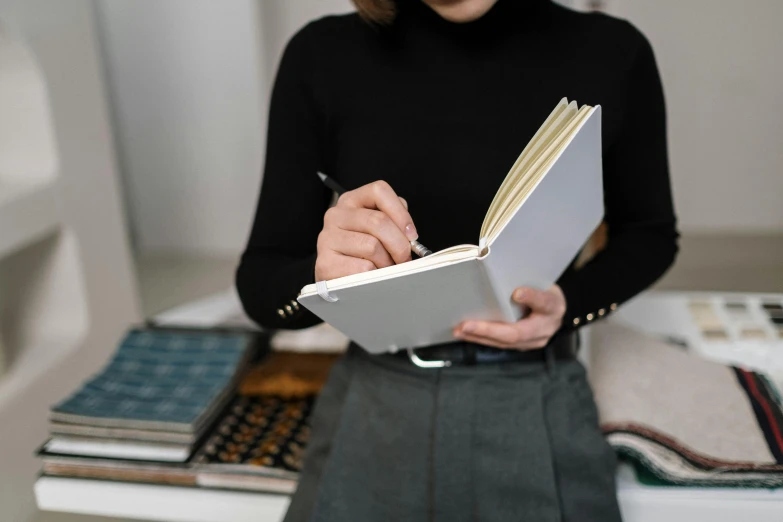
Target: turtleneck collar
(502,16)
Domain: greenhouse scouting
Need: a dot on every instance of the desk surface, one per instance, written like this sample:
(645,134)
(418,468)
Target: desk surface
(654,312)
(180,504)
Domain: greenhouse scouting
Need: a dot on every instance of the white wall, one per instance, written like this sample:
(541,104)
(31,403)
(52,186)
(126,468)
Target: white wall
(281,19)
(185,84)
(65,276)
(190,85)
(189,82)
(722,68)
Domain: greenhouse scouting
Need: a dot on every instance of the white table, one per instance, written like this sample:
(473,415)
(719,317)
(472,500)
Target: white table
(179,504)
(654,312)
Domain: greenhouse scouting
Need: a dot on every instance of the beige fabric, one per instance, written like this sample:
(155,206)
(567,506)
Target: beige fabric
(640,380)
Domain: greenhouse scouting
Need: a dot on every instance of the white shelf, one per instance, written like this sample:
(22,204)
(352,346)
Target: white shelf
(28,154)
(28,212)
(36,359)
(639,503)
(43,313)
(66,282)
(161,503)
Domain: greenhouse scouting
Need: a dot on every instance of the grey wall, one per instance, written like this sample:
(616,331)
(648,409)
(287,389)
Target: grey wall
(722,68)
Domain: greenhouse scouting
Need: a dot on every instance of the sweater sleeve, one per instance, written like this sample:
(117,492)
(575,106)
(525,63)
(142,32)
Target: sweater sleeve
(642,234)
(280,255)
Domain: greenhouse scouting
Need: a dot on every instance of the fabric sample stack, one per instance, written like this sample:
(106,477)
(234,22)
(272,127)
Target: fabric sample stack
(258,445)
(155,399)
(684,420)
(226,432)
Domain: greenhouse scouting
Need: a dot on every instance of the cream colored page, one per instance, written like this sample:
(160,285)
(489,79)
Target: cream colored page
(538,170)
(449,255)
(539,137)
(542,137)
(521,174)
(525,171)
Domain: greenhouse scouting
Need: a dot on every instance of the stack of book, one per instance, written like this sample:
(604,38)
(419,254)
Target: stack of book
(155,399)
(177,407)
(256,446)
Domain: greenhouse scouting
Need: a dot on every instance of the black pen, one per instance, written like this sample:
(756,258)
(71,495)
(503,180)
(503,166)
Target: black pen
(417,248)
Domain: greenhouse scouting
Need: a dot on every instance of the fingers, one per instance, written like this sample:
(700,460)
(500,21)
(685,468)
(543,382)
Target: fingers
(331,265)
(369,228)
(504,333)
(357,244)
(539,301)
(369,222)
(525,334)
(534,344)
(485,341)
(534,331)
(380,196)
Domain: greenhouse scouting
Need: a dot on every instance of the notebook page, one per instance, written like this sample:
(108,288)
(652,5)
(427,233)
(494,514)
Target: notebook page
(538,170)
(449,255)
(534,144)
(518,178)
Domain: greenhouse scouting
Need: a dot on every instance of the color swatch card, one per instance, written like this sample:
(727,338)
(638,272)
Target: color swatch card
(743,329)
(738,318)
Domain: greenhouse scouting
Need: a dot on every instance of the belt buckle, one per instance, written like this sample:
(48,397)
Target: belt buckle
(421,363)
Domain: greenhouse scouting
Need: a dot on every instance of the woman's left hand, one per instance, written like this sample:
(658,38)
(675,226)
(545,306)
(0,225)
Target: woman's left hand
(545,315)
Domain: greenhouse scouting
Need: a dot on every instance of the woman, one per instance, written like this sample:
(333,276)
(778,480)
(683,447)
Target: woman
(437,98)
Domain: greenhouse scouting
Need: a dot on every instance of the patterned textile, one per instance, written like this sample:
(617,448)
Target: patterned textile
(266,432)
(288,374)
(160,379)
(684,419)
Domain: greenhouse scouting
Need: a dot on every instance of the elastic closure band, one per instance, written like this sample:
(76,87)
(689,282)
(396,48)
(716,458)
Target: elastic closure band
(320,287)
(421,363)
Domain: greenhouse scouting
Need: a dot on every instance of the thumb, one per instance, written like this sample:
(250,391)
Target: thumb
(536,300)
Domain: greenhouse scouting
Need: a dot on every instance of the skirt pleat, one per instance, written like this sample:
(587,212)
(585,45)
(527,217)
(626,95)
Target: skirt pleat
(513,441)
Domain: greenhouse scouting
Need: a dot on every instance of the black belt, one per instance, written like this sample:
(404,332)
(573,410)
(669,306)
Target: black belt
(563,346)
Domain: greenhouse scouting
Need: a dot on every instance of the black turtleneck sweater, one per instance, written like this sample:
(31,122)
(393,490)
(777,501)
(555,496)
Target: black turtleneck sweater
(441,110)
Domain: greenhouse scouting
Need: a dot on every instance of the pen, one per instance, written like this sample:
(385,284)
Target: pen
(417,248)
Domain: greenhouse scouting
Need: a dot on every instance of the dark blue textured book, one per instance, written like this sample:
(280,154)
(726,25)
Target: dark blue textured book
(167,380)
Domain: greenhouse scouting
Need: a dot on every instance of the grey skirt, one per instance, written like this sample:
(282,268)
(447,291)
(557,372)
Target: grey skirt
(496,442)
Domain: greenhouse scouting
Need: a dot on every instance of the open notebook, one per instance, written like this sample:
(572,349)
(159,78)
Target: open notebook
(544,211)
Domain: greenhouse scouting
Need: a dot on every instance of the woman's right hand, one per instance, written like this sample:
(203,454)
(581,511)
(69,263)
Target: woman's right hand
(369,228)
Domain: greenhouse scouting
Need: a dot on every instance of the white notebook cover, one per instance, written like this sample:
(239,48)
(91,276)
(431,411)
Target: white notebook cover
(533,249)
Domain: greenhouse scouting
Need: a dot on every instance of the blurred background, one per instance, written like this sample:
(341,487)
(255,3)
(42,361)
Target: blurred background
(189,86)
(132,137)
